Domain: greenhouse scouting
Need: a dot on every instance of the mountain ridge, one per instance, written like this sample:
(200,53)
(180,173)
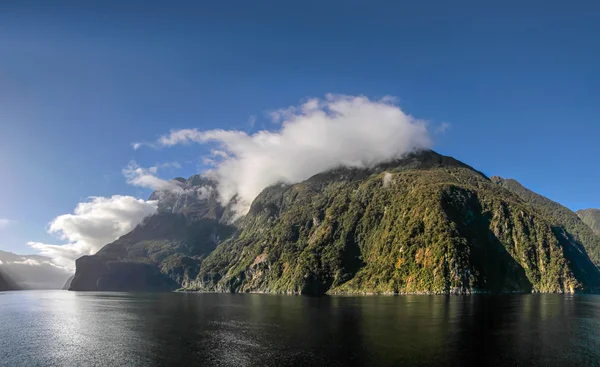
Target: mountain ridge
(578,231)
(347,256)
(591,217)
(425,223)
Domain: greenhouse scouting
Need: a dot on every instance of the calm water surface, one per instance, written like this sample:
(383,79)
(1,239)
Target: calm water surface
(59,328)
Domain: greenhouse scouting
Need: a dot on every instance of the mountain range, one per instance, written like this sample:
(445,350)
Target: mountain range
(425,223)
(32,271)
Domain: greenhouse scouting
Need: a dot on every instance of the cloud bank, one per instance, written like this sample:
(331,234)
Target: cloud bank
(92,225)
(315,136)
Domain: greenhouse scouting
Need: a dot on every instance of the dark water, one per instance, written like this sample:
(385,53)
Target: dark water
(59,328)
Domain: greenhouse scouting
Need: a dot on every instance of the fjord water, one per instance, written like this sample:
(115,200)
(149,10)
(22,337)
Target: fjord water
(59,328)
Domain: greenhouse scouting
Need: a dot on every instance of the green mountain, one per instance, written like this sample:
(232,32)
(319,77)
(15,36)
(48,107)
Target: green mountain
(591,217)
(566,223)
(422,224)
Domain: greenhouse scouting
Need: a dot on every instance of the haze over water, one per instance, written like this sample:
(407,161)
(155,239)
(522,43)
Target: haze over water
(58,328)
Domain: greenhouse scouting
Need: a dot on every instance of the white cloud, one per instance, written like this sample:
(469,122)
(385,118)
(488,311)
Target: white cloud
(137,145)
(92,225)
(31,262)
(147,178)
(203,192)
(183,136)
(442,128)
(219,153)
(318,135)
(5,222)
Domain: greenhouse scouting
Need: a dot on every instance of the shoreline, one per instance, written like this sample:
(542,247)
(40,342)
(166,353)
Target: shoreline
(391,294)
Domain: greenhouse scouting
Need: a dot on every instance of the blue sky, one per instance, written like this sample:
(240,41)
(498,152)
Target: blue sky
(517,83)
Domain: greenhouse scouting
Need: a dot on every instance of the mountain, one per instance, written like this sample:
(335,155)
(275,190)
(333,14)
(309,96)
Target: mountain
(165,251)
(422,224)
(32,271)
(591,217)
(566,223)
(7,284)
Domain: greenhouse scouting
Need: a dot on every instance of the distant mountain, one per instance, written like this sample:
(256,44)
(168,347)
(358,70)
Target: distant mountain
(422,224)
(591,217)
(165,251)
(7,284)
(32,271)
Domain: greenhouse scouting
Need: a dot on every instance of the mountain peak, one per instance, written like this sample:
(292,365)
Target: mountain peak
(422,159)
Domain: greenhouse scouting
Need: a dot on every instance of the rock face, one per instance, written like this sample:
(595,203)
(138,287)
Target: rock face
(68,283)
(165,251)
(591,217)
(422,224)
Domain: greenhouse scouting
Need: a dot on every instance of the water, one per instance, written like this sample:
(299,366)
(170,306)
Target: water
(59,328)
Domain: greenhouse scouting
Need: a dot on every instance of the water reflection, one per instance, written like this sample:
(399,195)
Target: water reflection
(66,328)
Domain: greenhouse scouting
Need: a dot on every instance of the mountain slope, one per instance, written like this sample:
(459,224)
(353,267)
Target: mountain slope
(563,219)
(426,223)
(67,284)
(591,217)
(165,251)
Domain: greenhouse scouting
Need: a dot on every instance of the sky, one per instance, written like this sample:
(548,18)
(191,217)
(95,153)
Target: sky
(510,88)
